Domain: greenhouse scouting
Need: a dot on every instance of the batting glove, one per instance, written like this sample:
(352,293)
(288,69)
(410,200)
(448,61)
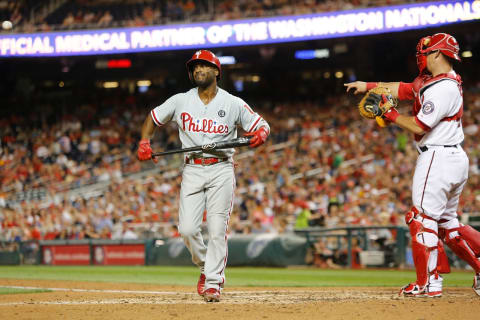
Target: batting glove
(145,151)
(258,137)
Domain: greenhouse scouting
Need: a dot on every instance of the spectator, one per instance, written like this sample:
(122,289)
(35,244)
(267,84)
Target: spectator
(139,13)
(106,19)
(275,193)
(303,216)
(322,255)
(69,20)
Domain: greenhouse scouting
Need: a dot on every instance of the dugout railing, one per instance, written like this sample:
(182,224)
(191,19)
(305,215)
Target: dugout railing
(368,239)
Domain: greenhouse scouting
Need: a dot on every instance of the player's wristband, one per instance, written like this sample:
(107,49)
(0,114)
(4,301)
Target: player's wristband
(371,85)
(392,115)
(404,91)
(266,130)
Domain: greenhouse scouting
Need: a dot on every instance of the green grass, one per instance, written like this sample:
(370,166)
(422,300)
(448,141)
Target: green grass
(236,276)
(16,290)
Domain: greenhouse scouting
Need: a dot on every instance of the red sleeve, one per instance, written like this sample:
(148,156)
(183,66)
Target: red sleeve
(422,125)
(158,123)
(405,91)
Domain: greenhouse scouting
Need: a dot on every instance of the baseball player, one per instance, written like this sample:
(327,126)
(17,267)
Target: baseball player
(442,166)
(206,114)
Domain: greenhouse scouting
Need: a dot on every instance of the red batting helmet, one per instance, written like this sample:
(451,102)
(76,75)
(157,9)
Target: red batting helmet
(203,55)
(443,42)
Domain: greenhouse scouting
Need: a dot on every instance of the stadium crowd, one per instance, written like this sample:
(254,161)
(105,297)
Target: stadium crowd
(322,166)
(87,14)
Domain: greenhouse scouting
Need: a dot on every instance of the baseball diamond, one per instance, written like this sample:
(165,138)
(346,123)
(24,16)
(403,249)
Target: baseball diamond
(269,299)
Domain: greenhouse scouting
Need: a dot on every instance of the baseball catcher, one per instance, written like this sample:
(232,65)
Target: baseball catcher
(442,167)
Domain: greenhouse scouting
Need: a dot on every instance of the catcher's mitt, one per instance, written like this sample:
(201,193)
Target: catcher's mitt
(375,103)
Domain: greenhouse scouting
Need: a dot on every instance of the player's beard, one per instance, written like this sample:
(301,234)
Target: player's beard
(205,81)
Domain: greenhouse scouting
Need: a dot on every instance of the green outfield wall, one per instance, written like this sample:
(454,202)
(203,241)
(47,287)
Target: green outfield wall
(243,250)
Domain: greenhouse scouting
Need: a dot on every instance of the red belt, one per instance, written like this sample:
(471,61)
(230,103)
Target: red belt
(204,161)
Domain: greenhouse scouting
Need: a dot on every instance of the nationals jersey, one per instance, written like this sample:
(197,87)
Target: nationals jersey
(441,103)
(200,124)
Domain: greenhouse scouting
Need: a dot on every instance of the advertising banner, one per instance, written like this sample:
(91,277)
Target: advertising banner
(119,254)
(241,32)
(69,254)
(243,250)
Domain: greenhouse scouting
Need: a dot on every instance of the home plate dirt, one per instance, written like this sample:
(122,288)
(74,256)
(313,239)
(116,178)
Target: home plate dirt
(98,300)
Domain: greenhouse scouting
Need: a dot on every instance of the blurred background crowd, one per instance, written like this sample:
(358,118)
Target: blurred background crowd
(47,15)
(73,174)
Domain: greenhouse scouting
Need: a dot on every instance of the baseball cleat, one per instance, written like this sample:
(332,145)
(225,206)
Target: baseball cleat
(414,290)
(201,284)
(211,295)
(433,294)
(411,290)
(476,284)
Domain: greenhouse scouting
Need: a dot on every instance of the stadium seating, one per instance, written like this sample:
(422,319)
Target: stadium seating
(312,160)
(29,15)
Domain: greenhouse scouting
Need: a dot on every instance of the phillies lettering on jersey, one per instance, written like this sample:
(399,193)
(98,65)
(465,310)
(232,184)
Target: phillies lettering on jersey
(201,124)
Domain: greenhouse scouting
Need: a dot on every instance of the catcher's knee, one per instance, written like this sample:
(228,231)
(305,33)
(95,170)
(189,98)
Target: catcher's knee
(423,229)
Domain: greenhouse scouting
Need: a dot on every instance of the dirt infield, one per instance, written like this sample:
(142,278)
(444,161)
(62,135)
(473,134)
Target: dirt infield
(94,300)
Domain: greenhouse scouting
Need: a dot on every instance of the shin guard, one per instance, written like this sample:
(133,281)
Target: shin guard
(424,246)
(443,266)
(472,237)
(464,241)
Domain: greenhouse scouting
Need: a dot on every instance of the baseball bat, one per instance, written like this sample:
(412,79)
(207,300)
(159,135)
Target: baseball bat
(238,142)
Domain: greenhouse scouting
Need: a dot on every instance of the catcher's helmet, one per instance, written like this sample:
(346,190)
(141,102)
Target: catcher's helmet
(203,55)
(443,42)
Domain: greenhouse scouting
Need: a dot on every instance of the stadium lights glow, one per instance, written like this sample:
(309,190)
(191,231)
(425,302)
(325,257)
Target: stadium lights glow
(467,54)
(326,75)
(110,84)
(144,83)
(227,59)
(312,54)
(7,25)
(255,78)
(339,74)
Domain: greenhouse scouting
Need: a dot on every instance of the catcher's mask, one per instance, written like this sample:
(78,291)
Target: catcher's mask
(203,55)
(442,42)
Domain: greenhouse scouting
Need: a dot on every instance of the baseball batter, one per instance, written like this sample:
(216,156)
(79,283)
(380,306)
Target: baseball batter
(442,165)
(206,114)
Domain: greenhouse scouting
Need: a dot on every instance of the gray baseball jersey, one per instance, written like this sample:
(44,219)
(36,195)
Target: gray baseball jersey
(200,124)
(207,188)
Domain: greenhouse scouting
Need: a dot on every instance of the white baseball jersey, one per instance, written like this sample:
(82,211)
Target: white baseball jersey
(200,124)
(442,168)
(441,100)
